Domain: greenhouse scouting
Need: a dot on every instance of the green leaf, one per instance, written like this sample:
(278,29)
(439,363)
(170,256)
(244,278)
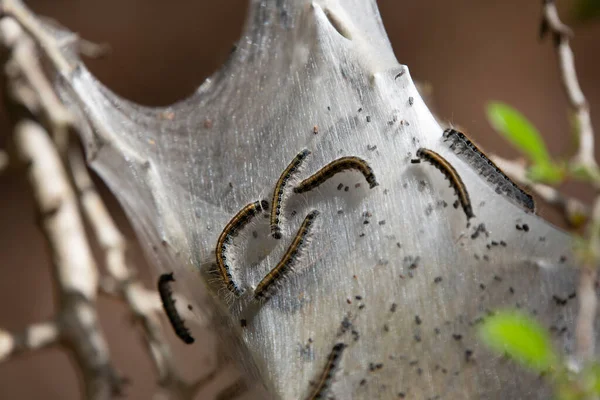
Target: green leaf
(549,173)
(519,131)
(521,338)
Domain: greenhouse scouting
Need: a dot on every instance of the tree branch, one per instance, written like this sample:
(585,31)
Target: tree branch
(73,264)
(29,92)
(72,261)
(32,95)
(573,211)
(35,337)
(142,303)
(586,293)
(585,337)
(566,63)
(584,329)
(34,28)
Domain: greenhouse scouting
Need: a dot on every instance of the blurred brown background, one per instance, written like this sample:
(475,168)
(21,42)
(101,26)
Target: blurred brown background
(469,51)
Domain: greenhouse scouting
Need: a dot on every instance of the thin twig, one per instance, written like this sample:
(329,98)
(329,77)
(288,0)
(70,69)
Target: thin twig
(35,337)
(60,63)
(573,211)
(143,303)
(566,63)
(586,316)
(72,261)
(34,28)
(139,299)
(586,293)
(584,329)
(83,46)
(73,264)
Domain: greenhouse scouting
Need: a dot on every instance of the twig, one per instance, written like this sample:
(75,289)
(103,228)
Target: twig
(34,28)
(586,293)
(139,299)
(73,264)
(72,261)
(83,46)
(42,100)
(24,59)
(575,212)
(62,64)
(561,34)
(35,337)
(586,317)
(584,329)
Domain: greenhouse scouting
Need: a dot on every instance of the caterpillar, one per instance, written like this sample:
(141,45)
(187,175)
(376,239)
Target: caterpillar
(468,151)
(166,296)
(450,173)
(278,193)
(335,167)
(237,223)
(322,385)
(286,264)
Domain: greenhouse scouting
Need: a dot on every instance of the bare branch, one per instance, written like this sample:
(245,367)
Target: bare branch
(584,329)
(574,212)
(588,301)
(142,303)
(35,337)
(30,90)
(106,232)
(34,28)
(585,337)
(561,34)
(83,46)
(73,264)
(72,261)
(25,61)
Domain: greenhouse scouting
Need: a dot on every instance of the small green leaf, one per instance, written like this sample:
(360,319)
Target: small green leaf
(519,131)
(521,338)
(549,173)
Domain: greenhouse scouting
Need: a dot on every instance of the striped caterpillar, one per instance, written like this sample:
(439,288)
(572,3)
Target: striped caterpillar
(286,264)
(278,193)
(472,155)
(450,173)
(335,167)
(236,224)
